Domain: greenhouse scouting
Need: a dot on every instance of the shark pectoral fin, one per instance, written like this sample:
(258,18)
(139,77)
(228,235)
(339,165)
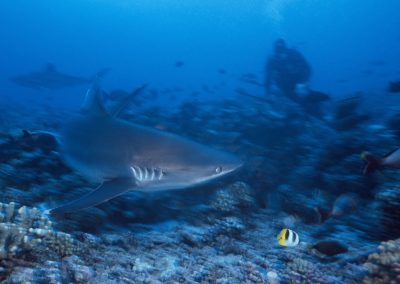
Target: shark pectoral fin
(106,191)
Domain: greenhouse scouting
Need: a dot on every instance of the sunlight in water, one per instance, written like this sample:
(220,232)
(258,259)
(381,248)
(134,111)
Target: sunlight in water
(274,10)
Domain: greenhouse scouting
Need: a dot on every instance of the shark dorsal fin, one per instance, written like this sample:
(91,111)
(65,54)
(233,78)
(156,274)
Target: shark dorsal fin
(50,68)
(121,106)
(93,103)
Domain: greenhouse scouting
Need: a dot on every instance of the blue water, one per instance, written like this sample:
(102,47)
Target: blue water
(192,55)
(141,41)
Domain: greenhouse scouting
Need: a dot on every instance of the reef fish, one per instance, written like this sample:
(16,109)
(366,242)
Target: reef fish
(343,205)
(392,160)
(330,248)
(288,238)
(46,141)
(123,156)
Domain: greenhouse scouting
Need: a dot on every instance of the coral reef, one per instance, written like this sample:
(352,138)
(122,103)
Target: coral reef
(388,198)
(23,229)
(49,272)
(229,226)
(384,265)
(216,234)
(69,270)
(234,199)
(302,271)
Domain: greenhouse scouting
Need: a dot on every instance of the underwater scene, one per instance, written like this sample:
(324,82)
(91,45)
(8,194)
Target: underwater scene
(200,141)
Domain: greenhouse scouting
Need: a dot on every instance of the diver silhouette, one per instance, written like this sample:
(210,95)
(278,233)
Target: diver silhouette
(285,69)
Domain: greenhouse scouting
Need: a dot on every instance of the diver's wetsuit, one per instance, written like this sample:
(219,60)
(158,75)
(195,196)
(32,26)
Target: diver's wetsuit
(287,68)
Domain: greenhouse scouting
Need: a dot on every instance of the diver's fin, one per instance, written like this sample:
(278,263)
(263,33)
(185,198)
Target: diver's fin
(373,163)
(93,103)
(117,109)
(106,191)
(50,67)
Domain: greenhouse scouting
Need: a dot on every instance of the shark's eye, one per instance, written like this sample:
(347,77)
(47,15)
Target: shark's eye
(218,170)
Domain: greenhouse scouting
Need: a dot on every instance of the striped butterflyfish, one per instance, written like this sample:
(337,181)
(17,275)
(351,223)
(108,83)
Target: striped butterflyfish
(288,238)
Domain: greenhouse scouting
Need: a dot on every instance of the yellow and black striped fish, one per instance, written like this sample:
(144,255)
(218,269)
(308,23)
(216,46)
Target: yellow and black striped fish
(288,238)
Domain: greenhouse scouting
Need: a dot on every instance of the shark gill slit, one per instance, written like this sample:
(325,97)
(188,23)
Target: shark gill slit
(146,174)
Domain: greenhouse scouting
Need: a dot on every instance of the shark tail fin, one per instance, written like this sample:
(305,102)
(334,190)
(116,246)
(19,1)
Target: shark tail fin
(373,163)
(126,101)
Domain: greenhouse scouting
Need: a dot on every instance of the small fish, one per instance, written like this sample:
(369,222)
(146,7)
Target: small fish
(251,79)
(347,107)
(243,92)
(288,238)
(394,87)
(179,64)
(351,122)
(377,62)
(249,76)
(330,248)
(391,160)
(222,71)
(316,97)
(43,140)
(343,205)
(367,72)
(206,89)
(342,81)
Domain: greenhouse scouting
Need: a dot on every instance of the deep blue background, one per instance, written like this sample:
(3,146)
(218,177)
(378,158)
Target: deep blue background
(351,45)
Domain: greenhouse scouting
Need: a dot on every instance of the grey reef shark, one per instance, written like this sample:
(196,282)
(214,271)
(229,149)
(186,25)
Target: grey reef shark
(122,156)
(51,79)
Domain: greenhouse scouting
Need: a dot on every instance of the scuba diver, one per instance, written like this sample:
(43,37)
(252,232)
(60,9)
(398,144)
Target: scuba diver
(285,69)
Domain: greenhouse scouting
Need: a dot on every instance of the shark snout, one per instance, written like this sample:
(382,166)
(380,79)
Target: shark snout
(231,165)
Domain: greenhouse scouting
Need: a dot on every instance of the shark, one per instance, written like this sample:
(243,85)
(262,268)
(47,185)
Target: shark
(122,156)
(49,78)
